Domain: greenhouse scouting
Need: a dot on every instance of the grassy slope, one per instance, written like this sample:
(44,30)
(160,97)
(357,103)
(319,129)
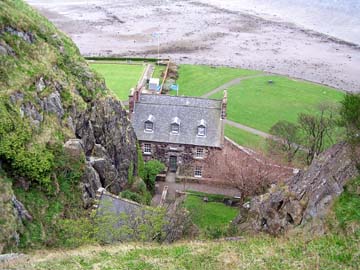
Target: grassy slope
(338,249)
(258,104)
(198,80)
(119,77)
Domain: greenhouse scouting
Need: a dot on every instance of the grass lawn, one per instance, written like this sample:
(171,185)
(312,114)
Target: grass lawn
(119,77)
(211,217)
(258,104)
(245,138)
(197,80)
(159,69)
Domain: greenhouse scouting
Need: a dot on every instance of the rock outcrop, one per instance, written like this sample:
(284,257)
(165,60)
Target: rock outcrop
(305,196)
(12,213)
(109,142)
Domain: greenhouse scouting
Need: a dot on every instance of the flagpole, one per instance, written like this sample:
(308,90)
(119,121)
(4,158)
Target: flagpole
(158,49)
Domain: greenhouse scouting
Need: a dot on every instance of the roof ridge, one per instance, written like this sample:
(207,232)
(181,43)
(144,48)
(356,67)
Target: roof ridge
(214,99)
(179,105)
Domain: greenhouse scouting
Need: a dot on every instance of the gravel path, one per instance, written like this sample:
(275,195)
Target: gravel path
(231,83)
(249,129)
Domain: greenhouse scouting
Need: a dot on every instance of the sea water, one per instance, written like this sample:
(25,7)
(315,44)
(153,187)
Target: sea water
(338,18)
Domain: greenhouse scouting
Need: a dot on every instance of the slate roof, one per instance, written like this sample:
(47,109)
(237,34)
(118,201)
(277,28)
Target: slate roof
(189,111)
(115,205)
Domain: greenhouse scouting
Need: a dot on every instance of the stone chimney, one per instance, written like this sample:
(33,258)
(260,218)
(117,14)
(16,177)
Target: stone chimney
(224,105)
(133,98)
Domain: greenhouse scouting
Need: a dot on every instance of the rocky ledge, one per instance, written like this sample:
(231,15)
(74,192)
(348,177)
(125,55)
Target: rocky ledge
(304,197)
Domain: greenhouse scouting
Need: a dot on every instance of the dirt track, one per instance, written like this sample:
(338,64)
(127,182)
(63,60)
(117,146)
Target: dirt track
(198,33)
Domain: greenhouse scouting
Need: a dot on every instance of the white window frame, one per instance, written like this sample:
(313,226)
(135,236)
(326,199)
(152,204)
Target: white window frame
(177,130)
(147,128)
(201,134)
(147,148)
(199,152)
(198,171)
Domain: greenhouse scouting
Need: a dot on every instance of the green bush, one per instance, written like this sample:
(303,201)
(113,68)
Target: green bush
(35,161)
(350,117)
(136,197)
(151,169)
(137,192)
(140,168)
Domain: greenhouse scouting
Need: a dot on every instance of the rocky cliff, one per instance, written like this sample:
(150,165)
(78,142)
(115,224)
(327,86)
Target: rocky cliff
(61,131)
(304,197)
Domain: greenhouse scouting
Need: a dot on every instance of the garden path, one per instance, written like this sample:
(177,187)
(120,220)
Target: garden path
(231,83)
(250,129)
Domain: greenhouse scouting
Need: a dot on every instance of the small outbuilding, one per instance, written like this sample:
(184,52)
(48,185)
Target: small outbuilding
(154,84)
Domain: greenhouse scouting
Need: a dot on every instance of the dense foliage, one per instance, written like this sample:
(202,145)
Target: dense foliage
(151,169)
(350,114)
(35,161)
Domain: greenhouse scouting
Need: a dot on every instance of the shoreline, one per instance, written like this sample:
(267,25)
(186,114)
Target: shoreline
(196,33)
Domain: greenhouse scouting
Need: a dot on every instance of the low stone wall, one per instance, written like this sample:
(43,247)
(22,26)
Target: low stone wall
(206,181)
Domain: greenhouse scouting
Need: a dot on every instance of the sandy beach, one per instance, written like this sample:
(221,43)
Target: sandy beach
(200,33)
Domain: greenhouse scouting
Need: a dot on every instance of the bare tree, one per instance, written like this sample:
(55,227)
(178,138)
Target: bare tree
(287,139)
(311,133)
(248,172)
(316,129)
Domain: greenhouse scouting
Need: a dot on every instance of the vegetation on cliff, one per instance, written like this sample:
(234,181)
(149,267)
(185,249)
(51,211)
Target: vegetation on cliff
(337,249)
(49,95)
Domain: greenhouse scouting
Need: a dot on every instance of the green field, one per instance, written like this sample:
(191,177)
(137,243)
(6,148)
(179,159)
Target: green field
(198,80)
(245,138)
(212,218)
(259,104)
(119,77)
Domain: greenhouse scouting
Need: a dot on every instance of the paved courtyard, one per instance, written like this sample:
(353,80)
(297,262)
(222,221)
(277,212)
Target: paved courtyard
(173,187)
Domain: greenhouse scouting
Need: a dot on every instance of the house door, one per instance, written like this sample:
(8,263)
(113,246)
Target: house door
(173,163)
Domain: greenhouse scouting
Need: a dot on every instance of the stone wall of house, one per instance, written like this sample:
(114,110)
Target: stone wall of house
(186,156)
(219,166)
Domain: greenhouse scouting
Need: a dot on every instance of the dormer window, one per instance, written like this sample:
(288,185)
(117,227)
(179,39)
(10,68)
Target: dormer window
(201,129)
(149,124)
(175,125)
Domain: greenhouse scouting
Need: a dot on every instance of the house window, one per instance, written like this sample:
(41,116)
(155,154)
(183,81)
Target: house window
(147,148)
(201,131)
(198,171)
(175,128)
(149,124)
(175,125)
(199,152)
